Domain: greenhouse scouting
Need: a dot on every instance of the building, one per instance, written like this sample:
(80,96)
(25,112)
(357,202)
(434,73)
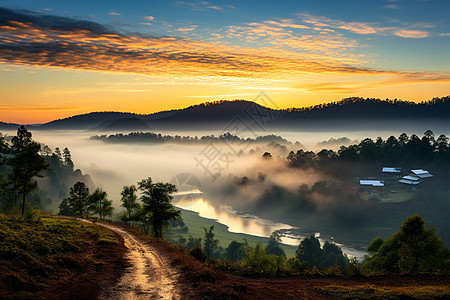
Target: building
(391,171)
(373,183)
(421,173)
(410,180)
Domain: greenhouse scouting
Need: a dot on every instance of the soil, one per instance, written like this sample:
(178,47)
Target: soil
(99,266)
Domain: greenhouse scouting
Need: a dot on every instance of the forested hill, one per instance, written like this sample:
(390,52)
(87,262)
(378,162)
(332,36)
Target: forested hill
(356,108)
(216,115)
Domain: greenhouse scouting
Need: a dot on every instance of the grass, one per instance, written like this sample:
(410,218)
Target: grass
(197,223)
(33,251)
(98,233)
(400,196)
(386,292)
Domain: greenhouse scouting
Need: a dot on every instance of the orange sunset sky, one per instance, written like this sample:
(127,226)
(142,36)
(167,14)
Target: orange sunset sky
(59,60)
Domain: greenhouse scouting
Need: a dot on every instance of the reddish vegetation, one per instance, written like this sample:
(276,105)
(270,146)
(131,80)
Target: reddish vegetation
(197,280)
(98,266)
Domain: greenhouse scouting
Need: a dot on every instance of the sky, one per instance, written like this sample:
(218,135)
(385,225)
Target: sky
(62,58)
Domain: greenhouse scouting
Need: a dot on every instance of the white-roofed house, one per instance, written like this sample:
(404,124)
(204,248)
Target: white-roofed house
(371,186)
(421,173)
(391,171)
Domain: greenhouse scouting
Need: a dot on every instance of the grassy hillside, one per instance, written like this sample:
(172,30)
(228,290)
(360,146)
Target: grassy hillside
(47,257)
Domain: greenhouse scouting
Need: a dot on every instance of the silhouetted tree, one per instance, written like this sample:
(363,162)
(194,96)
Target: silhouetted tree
(418,247)
(78,199)
(235,251)
(58,153)
(412,250)
(210,242)
(67,158)
(273,247)
(64,208)
(129,200)
(157,208)
(309,250)
(194,242)
(26,164)
(98,203)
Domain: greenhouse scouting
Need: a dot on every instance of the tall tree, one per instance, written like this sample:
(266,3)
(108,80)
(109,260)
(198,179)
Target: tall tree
(78,199)
(26,164)
(210,242)
(236,251)
(129,200)
(58,153)
(309,250)
(418,247)
(411,250)
(67,158)
(99,204)
(157,208)
(273,247)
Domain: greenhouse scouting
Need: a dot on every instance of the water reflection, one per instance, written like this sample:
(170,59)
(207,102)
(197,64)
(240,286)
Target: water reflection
(238,222)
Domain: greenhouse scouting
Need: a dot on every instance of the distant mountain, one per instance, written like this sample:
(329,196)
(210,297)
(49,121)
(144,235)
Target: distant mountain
(226,115)
(9,126)
(85,121)
(127,125)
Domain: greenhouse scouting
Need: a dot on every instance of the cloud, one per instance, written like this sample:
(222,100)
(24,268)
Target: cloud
(150,18)
(187,29)
(354,87)
(278,56)
(413,34)
(365,28)
(113,13)
(392,6)
(204,5)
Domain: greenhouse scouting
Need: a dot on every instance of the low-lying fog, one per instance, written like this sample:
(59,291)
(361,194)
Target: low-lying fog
(111,166)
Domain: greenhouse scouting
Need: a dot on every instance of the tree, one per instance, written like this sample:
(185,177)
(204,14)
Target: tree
(418,247)
(235,251)
(46,150)
(58,153)
(309,251)
(267,155)
(411,250)
(194,242)
(67,158)
(99,204)
(129,200)
(64,208)
(78,199)
(157,208)
(26,164)
(273,247)
(210,242)
(375,245)
(333,255)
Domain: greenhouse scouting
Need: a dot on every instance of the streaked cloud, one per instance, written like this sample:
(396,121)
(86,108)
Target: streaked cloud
(113,13)
(278,51)
(150,18)
(413,34)
(187,29)
(204,5)
(366,28)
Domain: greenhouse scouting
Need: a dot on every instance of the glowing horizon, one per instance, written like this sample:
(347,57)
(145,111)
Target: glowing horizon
(54,65)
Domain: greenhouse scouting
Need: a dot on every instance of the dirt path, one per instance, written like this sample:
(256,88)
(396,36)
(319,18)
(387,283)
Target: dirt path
(148,275)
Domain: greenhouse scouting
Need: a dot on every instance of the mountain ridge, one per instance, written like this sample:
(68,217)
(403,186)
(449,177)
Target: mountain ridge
(220,113)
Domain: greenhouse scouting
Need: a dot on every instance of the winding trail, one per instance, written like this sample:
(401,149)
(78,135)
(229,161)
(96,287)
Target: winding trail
(148,276)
